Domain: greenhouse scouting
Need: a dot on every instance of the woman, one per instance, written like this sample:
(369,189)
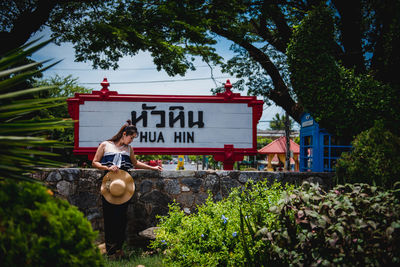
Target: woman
(112,155)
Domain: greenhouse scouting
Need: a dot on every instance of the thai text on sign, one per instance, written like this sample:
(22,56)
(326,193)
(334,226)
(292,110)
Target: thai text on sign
(168,124)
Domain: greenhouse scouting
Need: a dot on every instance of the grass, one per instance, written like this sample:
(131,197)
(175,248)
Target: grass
(135,257)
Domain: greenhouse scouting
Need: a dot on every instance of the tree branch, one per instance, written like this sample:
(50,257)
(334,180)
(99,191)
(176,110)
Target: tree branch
(267,36)
(280,40)
(280,94)
(285,32)
(351,20)
(26,24)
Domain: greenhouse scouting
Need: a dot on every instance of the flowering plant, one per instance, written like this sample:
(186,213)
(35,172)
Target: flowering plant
(214,235)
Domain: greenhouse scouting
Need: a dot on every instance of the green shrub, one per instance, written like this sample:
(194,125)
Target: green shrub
(351,225)
(37,229)
(216,235)
(375,159)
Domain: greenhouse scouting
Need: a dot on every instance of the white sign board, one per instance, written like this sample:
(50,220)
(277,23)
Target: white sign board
(168,124)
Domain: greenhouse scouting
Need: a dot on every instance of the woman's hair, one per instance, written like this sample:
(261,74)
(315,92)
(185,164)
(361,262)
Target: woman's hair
(128,128)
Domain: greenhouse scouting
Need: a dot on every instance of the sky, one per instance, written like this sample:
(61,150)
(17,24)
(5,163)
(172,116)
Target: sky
(138,74)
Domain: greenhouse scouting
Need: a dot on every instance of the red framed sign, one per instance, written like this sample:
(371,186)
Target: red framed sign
(224,125)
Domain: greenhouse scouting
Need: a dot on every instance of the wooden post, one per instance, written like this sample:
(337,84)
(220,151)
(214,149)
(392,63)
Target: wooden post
(287,134)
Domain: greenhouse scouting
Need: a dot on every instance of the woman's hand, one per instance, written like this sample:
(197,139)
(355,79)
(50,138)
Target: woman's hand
(157,168)
(113,168)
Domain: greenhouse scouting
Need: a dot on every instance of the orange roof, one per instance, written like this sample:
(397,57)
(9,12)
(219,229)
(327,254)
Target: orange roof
(278,146)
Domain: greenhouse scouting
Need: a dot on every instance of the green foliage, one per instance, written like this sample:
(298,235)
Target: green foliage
(18,130)
(262,141)
(61,87)
(278,122)
(195,158)
(37,229)
(215,235)
(350,225)
(176,33)
(297,140)
(135,257)
(340,100)
(136,26)
(212,163)
(153,157)
(375,158)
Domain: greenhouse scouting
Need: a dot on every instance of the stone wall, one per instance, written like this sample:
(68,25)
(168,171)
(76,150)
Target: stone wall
(154,191)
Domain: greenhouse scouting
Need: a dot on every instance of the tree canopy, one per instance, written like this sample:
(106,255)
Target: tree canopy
(278,122)
(363,43)
(346,100)
(19,19)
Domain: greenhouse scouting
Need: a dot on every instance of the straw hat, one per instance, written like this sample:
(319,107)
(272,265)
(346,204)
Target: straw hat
(117,187)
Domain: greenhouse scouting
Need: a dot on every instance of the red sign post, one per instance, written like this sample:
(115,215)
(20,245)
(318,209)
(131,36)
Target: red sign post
(224,125)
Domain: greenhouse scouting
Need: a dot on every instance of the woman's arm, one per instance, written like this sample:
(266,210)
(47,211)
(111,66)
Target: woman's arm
(141,165)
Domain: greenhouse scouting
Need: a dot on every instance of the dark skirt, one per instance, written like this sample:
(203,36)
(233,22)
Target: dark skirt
(115,219)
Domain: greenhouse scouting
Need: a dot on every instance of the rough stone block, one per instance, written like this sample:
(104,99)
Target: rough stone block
(244,177)
(211,183)
(186,199)
(156,198)
(84,200)
(201,174)
(160,184)
(92,216)
(201,198)
(226,186)
(193,183)
(149,233)
(54,176)
(222,173)
(157,211)
(64,188)
(145,174)
(184,188)
(146,186)
(172,186)
(96,176)
(177,174)
(70,174)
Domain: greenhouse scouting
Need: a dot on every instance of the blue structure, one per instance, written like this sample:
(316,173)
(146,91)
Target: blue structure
(319,150)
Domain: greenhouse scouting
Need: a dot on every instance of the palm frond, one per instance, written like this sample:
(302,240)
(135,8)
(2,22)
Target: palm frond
(34,126)
(28,103)
(23,144)
(19,78)
(16,55)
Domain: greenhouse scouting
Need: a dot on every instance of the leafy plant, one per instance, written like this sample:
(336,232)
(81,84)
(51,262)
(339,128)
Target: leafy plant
(61,87)
(375,158)
(343,99)
(262,142)
(350,225)
(215,235)
(278,122)
(22,137)
(37,229)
